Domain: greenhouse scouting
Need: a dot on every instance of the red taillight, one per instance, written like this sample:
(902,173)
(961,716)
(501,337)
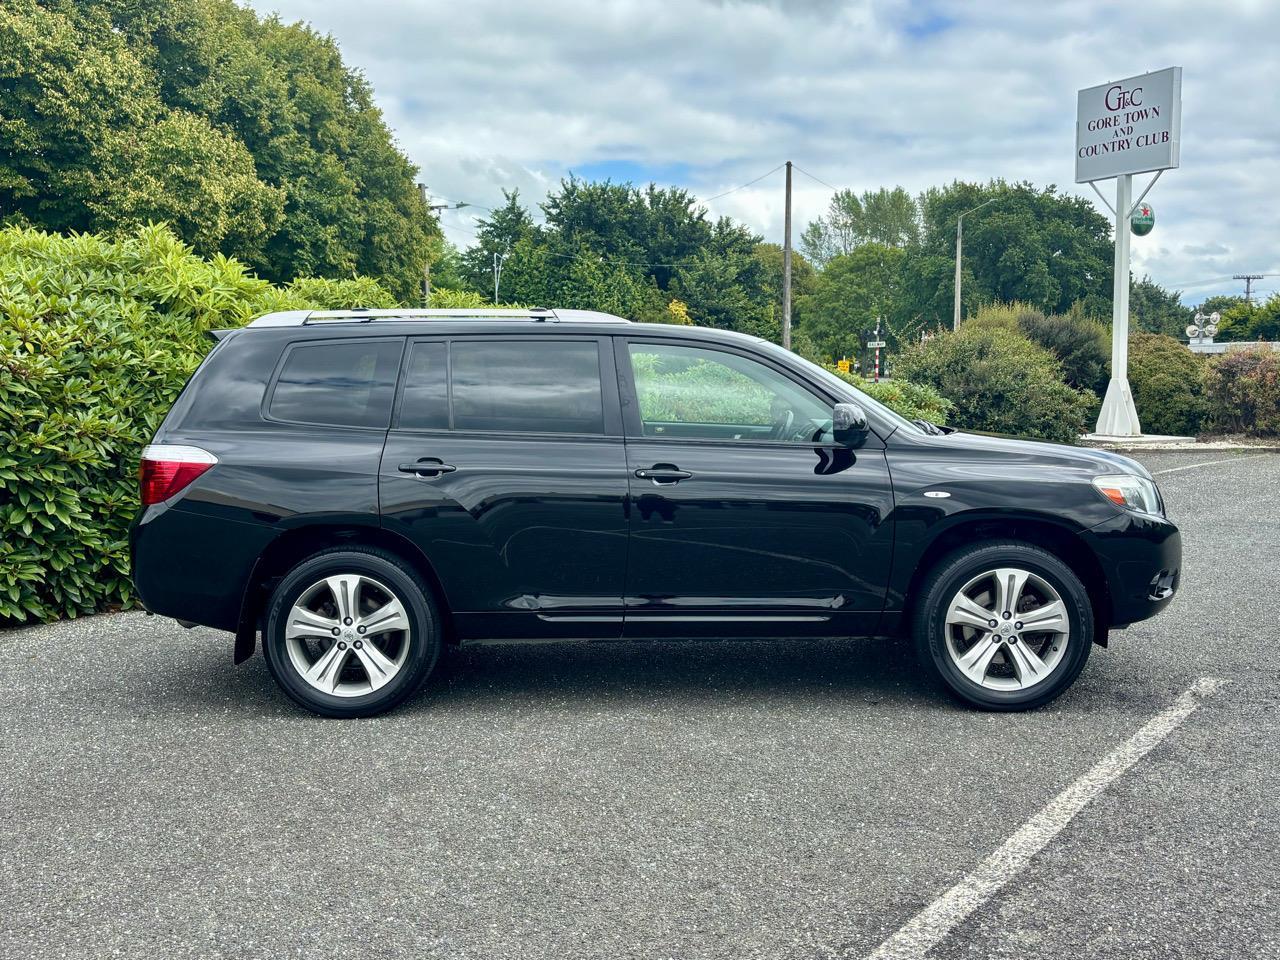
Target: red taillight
(166,469)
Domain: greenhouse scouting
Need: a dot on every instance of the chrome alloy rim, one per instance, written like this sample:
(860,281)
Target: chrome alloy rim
(1007,629)
(347,635)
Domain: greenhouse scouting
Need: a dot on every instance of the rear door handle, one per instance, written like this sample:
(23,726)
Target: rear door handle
(427,467)
(663,473)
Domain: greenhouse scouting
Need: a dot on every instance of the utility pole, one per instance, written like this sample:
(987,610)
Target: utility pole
(426,263)
(955,321)
(786,267)
(1248,279)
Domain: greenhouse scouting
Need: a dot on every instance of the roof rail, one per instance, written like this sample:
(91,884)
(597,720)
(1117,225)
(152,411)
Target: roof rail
(298,318)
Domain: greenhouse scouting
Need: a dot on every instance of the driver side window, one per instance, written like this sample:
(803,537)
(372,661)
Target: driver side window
(701,393)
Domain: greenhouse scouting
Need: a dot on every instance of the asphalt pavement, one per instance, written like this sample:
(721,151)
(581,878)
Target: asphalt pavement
(659,800)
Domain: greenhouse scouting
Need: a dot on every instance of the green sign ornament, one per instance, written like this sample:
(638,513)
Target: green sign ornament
(1143,219)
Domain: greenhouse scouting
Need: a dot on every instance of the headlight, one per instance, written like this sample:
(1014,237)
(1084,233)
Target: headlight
(1132,493)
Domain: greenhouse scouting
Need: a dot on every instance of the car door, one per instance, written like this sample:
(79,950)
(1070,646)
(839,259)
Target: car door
(505,464)
(747,518)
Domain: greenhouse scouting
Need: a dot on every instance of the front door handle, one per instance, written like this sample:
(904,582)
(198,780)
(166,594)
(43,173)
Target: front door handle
(663,473)
(427,467)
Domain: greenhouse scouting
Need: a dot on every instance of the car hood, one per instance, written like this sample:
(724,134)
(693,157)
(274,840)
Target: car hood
(1099,462)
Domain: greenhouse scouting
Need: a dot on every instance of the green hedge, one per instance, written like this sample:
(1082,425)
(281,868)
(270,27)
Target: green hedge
(999,381)
(1167,381)
(97,338)
(1243,393)
(915,401)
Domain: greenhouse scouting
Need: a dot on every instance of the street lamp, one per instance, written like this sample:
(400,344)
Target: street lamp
(955,324)
(426,264)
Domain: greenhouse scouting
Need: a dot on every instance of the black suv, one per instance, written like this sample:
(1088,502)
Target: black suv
(365,486)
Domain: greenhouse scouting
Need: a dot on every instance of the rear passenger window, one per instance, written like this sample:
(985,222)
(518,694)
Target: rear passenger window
(527,386)
(349,384)
(426,389)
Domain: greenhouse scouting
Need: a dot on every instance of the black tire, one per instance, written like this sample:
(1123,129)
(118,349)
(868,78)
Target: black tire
(956,570)
(384,568)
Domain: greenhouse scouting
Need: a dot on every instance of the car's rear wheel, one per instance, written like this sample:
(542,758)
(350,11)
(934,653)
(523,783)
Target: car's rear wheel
(351,632)
(1005,626)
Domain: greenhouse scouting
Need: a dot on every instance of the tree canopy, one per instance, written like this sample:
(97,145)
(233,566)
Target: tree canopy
(250,137)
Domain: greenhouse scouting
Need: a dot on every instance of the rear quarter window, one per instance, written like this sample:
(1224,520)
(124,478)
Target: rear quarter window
(347,383)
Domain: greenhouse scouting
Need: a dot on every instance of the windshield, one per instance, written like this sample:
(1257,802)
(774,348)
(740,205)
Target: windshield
(843,386)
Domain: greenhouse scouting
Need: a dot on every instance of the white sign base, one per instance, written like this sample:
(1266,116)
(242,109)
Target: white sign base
(1119,417)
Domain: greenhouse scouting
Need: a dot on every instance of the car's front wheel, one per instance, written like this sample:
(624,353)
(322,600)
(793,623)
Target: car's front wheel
(351,632)
(1005,626)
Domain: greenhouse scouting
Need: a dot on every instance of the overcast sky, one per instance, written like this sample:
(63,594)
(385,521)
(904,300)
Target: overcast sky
(709,94)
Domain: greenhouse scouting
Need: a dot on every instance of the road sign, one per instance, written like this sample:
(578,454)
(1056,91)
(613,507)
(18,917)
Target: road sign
(1130,126)
(1143,219)
(842,366)
(874,344)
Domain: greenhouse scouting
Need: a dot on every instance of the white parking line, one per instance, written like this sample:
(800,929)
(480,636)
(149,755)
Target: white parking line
(1203,463)
(923,931)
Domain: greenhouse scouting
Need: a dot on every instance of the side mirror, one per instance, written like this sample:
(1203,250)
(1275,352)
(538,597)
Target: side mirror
(849,425)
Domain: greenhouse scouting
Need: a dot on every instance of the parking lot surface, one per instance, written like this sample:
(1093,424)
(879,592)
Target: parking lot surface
(709,799)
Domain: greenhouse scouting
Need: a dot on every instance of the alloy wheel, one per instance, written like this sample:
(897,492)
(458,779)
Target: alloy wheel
(1007,629)
(348,635)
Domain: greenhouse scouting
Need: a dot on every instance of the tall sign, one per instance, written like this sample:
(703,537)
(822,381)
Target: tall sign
(1122,128)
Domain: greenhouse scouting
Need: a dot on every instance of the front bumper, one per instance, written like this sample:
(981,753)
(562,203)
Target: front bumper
(1141,557)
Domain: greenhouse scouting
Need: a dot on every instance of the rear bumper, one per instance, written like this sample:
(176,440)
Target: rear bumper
(1141,557)
(190,566)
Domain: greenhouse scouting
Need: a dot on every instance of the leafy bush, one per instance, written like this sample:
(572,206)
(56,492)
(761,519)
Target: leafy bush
(1000,381)
(96,340)
(698,391)
(325,294)
(914,401)
(1081,344)
(1167,381)
(1243,392)
(443,298)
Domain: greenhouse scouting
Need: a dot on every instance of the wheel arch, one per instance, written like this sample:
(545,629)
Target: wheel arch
(298,543)
(1047,533)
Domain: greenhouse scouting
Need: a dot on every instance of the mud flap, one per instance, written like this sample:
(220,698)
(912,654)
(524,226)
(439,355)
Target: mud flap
(247,627)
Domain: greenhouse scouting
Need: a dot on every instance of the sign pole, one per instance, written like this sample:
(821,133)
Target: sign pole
(1125,127)
(1119,417)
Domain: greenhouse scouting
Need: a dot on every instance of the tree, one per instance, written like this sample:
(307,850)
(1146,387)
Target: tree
(1154,309)
(1031,245)
(848,297)
(249,136)
(887,217)
(1252,321)
(497,236)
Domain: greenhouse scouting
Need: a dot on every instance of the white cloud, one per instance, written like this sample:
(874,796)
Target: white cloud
(490,94)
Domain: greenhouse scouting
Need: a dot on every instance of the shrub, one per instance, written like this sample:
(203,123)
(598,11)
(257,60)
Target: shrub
(1081,344)
(325,294)
(97,338)
(443,298)
(914,401)
(1000,381)
(1243,392)
(1167,381)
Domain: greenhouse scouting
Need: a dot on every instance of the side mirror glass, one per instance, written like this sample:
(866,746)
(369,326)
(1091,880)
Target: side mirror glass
(849,425)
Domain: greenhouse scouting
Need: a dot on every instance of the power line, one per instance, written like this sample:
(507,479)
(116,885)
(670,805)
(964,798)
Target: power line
(816,179)
(745,185)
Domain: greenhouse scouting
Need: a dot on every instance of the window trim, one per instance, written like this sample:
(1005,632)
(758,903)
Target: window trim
(634,425)
(609,388)
(269,395)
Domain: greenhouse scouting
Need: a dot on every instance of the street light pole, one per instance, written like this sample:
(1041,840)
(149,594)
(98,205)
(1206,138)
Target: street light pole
(955,322)
(426,263)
